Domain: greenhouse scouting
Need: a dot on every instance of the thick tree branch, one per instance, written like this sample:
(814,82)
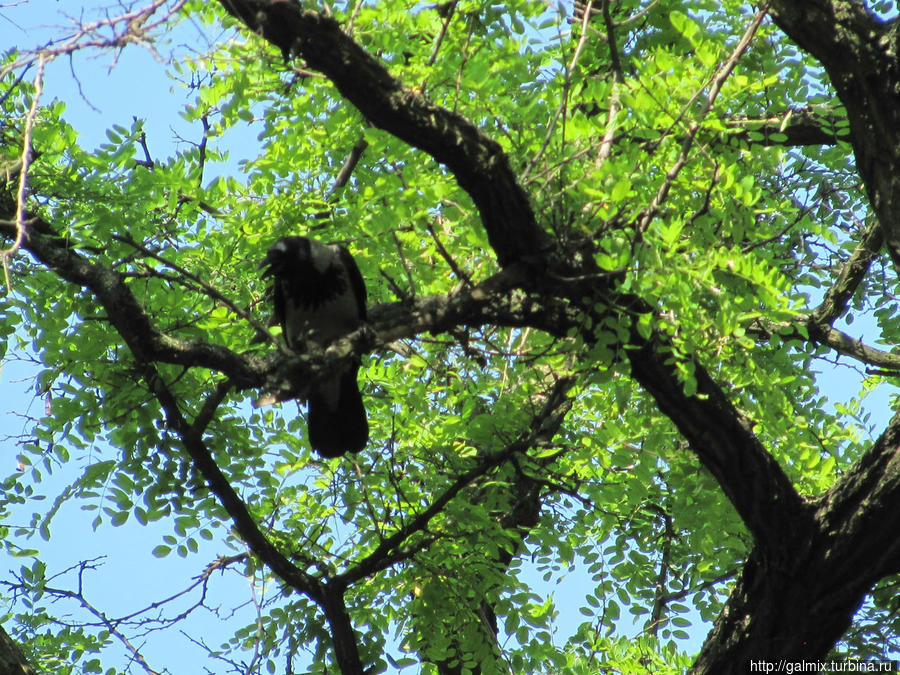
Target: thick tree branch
(12,661)
(857,511)
(858,50)
(798,606)
(813,125)
(724,441)
(852,273)
(478,162)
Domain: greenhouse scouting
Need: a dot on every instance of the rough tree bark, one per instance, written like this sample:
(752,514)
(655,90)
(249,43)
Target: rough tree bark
(12,661)
(859,50)
(813,561)
(807,573)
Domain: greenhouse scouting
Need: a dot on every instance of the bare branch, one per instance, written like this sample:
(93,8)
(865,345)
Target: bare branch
(834,305)
(132,27)
(25,161)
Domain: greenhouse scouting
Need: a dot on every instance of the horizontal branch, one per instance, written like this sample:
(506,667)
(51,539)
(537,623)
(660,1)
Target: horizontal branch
(855,348)
(720,436)
(841,342)
(795,127)
(812,125)
(494,301)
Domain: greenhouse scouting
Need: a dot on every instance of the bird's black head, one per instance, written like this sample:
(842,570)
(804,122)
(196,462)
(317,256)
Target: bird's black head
(284,255)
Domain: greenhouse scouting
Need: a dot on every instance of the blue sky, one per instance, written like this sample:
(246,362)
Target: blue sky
(110,90)
(100,90)
(107,90)
(103,92)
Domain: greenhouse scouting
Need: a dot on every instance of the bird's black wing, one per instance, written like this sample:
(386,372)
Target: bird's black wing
(357,285)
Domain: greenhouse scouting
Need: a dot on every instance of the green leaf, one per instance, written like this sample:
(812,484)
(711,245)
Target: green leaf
(161,551)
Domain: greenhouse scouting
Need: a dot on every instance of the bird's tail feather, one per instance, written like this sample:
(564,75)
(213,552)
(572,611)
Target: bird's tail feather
(336,428)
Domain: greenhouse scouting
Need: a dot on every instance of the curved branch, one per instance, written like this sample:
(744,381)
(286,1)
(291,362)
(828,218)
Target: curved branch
(478,162)
(858,50)
(123,310)
(834,305)
(329,598)
(819,323)
(723,439)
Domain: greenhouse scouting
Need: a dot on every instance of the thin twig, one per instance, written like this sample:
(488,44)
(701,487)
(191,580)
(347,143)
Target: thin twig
(201,155)
(353,15)
(207,288)
(445,254)
(564,99)
(136,28)
(147,162)
(715,86)
(7,254)
(618,77)
(343,177)
(449,7)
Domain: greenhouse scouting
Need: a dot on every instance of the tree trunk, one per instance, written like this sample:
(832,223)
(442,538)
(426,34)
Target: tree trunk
(12,661)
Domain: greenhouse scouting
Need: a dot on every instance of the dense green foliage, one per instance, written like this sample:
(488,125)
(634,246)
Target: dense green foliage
(694,197)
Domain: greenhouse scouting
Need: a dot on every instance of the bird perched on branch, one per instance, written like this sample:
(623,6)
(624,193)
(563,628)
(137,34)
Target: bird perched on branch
(319,296)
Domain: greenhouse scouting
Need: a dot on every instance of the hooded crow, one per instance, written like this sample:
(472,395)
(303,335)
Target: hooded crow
(320,296)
